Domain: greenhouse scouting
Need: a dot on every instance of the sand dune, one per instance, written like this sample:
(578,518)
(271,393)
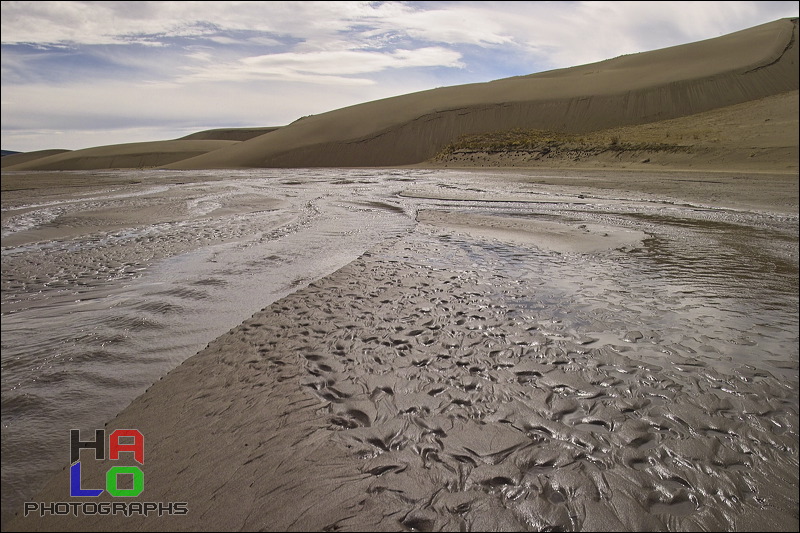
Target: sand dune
(635,89)
(132,155)
(756,136)
(24,157)
(228,134)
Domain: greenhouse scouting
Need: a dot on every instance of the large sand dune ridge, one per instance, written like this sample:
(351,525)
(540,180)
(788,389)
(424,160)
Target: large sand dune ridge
(636,89)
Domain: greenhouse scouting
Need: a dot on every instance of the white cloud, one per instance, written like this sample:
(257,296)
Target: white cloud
(477,24)
(80,115)
(323,66)
(84,22)
(569,32)
(215,64)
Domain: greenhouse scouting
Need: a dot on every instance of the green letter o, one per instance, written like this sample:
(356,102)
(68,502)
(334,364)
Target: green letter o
(111,481)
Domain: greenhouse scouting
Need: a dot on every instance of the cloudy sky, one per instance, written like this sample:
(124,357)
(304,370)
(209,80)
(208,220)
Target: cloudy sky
(81,74)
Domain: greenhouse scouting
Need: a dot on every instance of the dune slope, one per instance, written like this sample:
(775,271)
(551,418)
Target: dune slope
(228,134)
(634,89)
(756,136)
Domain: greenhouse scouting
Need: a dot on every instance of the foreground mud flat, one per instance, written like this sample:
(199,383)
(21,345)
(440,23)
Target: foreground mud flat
(465,377)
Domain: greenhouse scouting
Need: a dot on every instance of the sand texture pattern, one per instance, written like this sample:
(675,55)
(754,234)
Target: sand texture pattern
(398,395)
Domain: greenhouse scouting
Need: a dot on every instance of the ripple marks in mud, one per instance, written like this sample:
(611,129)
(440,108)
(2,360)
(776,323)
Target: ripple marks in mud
(466,412)
(397,394)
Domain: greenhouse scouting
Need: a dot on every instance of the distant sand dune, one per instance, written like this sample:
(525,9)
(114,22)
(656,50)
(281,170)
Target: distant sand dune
(132,155)
(24,157)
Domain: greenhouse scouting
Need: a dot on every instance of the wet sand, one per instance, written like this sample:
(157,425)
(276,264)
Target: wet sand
(98,303)
(540,352)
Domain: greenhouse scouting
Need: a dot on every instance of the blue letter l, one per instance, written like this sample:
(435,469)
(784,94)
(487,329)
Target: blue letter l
(75,483)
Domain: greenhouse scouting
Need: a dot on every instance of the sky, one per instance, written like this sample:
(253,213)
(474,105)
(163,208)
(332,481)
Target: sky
(83,74)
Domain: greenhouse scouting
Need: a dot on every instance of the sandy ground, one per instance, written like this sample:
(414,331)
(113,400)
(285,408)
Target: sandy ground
(423,387)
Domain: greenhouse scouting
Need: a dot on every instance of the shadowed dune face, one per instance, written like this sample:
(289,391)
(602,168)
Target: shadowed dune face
(636,89)
(755,136)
